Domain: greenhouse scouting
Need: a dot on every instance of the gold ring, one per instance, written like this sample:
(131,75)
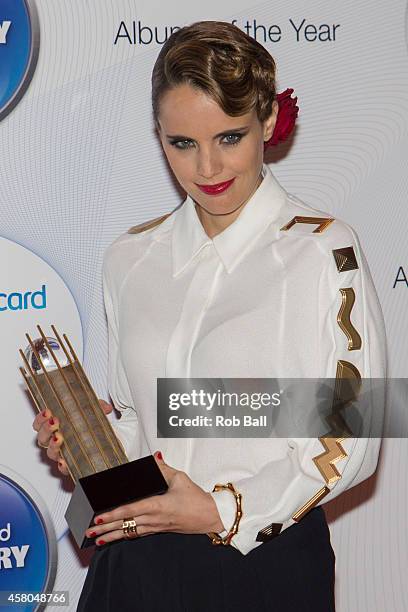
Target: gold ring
(129,528)
(41,445)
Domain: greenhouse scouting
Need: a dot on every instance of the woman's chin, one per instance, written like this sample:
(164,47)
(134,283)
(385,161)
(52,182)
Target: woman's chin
(220,210)
(219,206)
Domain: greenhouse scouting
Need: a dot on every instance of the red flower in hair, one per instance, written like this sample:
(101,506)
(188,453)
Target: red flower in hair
(285,121)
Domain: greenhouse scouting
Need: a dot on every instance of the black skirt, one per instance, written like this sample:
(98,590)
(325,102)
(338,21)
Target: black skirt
(176,572)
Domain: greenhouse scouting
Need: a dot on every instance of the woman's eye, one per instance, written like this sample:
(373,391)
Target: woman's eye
(235,138)
(180,144)
(228,139)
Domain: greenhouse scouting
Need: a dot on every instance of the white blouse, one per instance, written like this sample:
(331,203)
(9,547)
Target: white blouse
(259,300)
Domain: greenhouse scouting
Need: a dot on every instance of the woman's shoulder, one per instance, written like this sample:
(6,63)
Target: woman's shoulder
(300,220)
(139,235)
(131,245)
(147,225)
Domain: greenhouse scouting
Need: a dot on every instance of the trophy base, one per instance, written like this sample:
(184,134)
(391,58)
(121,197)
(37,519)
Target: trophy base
(108,489)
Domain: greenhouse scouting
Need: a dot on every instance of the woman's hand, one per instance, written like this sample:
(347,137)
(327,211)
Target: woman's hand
(49,437)
(184,508)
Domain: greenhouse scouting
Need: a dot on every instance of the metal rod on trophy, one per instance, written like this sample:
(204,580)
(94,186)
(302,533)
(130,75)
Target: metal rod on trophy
(46,390)
(35,391)
(89,390)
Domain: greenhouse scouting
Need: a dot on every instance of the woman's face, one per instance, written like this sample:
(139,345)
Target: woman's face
(204,146)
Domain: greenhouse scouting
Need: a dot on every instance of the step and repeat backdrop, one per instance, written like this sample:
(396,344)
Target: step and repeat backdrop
(80,163)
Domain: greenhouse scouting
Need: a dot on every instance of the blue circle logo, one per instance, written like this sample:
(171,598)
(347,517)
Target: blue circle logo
(27,539)
(19,46)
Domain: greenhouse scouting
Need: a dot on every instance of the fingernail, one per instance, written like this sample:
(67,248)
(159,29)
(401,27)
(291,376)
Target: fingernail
(159,455)
(101,542)
(44,412)
(51,421)
(99,521)
(92,534)
(55,438)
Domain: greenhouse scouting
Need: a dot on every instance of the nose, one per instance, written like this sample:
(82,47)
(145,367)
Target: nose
(209,164)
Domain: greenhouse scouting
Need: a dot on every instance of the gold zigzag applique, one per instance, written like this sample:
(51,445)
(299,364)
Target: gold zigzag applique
(322,222)
(325,461)
(348,383)
(347,387)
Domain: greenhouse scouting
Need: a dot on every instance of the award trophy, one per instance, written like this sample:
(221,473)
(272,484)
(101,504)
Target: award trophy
(104,477)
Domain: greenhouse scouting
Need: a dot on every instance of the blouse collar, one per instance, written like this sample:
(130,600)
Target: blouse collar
(232,244)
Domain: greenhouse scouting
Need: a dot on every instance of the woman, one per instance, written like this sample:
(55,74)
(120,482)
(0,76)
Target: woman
(242,280)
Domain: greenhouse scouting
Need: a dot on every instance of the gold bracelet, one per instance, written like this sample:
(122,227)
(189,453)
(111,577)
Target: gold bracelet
(215,537)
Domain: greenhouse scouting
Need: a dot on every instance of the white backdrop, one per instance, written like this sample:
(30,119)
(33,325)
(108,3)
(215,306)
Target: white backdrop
(80,164)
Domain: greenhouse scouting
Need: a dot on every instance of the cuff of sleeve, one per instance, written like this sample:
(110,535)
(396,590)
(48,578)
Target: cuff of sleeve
(227,507)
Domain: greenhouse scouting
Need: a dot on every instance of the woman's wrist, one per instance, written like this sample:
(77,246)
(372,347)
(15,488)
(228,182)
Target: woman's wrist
(217,524)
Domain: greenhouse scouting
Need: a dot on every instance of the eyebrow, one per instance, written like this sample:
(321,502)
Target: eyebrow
(231,131)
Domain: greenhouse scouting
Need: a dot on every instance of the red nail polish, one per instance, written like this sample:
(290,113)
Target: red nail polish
(159,455)
(55,438)
(101,542)
(92,534)
(51,421)
(99,521)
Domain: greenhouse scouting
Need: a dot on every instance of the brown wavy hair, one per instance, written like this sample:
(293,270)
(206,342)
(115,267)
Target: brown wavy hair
(219,59)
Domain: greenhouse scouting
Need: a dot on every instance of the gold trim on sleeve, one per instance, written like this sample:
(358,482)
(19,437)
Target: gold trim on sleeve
(322,222)
(346,369)
(269,532)
(311,503)
(325,461)
(343,318)
(348,384)
(347,388)
(345,259)
(142,227)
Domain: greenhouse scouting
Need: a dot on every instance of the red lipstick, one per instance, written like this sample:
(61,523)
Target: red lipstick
(216,188)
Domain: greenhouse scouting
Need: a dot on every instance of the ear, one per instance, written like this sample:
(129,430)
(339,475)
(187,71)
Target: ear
(269,123)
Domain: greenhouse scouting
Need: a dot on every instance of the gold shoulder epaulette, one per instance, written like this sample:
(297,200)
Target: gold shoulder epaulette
(136,229)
